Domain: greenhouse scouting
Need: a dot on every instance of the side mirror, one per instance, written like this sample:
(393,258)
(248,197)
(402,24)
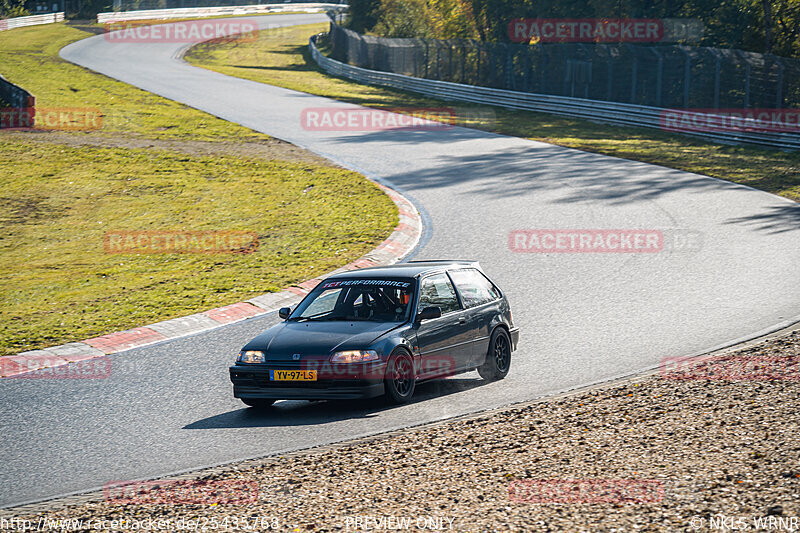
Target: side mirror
(284,312)
(429,313)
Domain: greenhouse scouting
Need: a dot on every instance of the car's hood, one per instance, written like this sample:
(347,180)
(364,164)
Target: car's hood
(283,340)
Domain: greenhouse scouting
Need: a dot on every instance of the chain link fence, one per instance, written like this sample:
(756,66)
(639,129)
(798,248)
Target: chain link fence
(672,76)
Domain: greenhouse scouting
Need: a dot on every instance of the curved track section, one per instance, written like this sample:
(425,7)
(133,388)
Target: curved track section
(585,317)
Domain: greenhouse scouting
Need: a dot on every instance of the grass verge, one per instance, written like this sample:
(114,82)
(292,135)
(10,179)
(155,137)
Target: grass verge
(283,59)
(57,202)
(29,58)
(155,165)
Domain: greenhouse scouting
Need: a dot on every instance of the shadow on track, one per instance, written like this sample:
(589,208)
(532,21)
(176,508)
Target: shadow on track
(778,219)
(304,413)
(568,175)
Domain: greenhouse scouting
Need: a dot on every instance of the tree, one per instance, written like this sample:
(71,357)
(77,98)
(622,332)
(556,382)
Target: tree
(12,8)
(769,25)
(363,15)
(404,18)
(765,26)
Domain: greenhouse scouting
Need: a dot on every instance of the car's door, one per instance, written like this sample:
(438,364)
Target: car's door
(481,300)
(444,342)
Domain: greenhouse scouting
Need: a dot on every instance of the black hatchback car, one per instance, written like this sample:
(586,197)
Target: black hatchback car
(379,331)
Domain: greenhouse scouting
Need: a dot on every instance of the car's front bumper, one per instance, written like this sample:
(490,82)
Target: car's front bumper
(253,383)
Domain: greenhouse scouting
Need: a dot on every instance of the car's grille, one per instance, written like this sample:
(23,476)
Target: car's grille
(259,377)
(285,365)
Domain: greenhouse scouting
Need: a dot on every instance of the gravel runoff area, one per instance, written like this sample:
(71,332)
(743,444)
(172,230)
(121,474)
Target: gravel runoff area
(697,446)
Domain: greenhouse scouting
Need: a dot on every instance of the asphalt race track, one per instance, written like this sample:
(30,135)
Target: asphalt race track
(584,317)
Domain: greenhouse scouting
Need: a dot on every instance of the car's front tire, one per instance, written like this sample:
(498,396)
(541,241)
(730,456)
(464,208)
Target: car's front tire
(498,359)
(258,403)
(399,381)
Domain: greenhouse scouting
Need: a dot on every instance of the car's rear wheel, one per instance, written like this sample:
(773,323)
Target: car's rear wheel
(399,381)
(498,359)
(258,403)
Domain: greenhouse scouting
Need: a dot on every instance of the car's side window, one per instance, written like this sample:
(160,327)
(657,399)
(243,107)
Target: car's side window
(438,291)
(491,287)
(475,289)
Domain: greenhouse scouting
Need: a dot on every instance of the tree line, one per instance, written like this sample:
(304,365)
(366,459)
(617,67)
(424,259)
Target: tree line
(12,8)
(764,26)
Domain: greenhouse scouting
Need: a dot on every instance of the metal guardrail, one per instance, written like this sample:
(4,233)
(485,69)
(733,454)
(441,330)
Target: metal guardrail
(21,22)
(15,96)
(595,110)
(200,12)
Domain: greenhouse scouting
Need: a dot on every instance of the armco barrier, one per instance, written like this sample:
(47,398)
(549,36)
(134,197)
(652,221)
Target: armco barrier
(200,12)
(15,96)
(601,111)
(21,22)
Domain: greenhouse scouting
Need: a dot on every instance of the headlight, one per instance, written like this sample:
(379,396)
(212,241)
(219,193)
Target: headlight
(250,356)
(355,356)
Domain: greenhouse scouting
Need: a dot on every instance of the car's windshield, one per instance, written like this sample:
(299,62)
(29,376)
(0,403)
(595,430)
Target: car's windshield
(380,300)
